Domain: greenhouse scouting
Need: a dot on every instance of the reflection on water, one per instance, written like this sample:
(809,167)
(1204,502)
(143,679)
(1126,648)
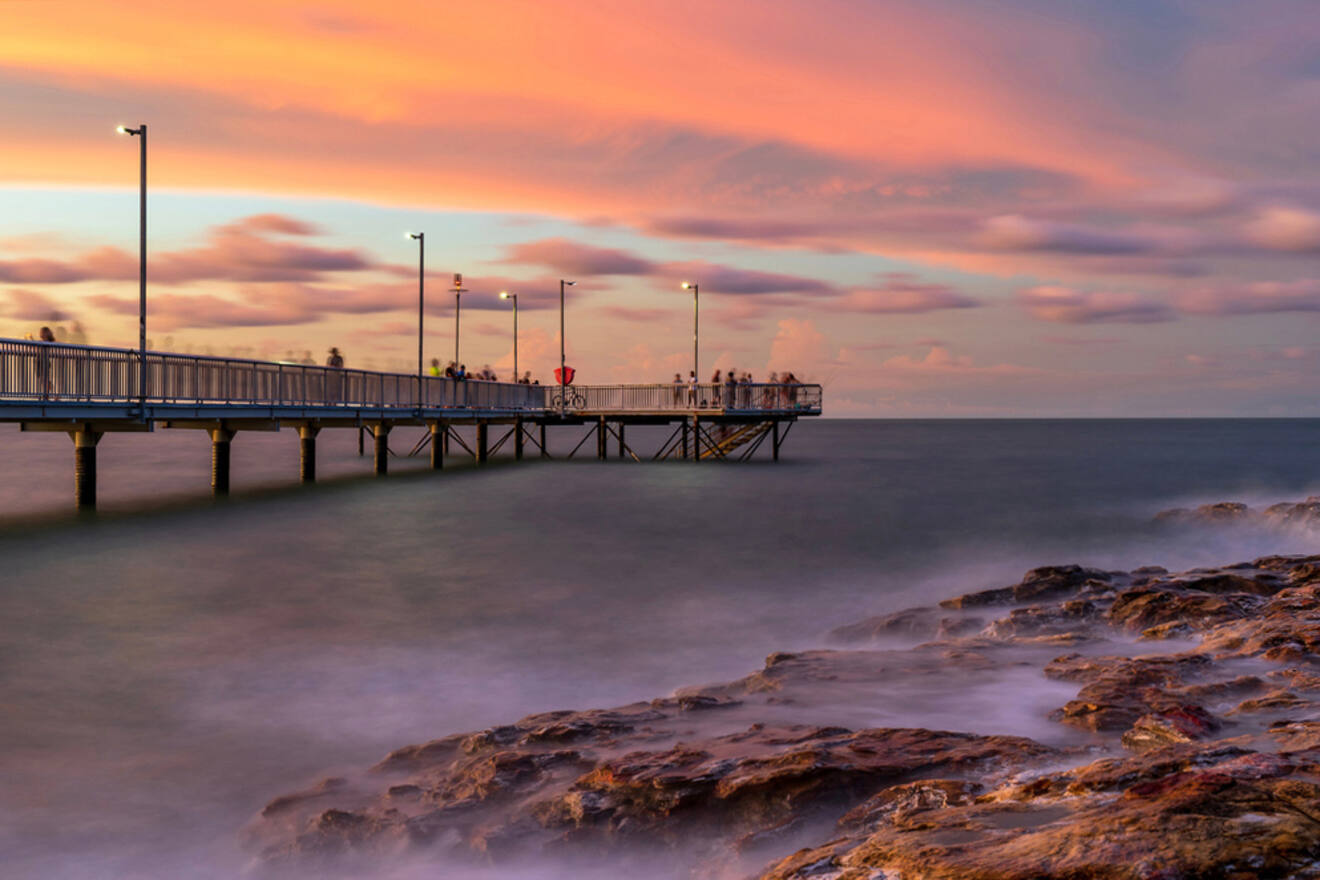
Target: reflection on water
(167,667)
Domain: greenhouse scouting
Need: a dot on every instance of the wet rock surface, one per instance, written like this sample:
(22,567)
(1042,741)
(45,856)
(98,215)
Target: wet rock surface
(1183,742)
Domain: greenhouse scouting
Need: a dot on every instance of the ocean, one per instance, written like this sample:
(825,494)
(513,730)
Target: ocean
(170,664)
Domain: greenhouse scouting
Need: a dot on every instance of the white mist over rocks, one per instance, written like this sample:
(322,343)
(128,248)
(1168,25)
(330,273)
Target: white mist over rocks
(169,667)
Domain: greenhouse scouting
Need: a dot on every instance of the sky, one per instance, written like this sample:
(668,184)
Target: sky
(938,208)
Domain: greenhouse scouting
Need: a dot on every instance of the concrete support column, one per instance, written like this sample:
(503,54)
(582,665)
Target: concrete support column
(361,451)
(518,439)
(220,440)
(446,437)
(696,439)
(622,445)
(545,451)
(685,438)
(439,440)
(601,436)
(482,431)
(774,440)
(307,453)
(84,467)
(381,434)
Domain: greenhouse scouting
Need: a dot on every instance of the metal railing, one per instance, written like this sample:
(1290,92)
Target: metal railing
(53,371)
(742,397)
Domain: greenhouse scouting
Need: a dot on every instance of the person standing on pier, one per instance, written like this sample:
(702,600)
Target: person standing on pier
(435,366)
(715,381)
(678,390)
(43,361)
(692,387)
(731,388)
(334,381)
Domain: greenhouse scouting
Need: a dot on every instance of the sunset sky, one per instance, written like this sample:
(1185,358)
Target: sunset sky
(935,208)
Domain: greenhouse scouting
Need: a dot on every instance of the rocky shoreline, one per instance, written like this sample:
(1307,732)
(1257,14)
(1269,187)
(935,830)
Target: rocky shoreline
(1186,745)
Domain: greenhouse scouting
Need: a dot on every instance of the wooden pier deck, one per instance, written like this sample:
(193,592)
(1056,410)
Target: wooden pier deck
(88,391)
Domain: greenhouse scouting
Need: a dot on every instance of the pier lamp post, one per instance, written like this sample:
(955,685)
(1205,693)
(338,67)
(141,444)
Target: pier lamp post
(563,387)
(459,290)
(141,132)
(420,238)
(504,294)
(696,335)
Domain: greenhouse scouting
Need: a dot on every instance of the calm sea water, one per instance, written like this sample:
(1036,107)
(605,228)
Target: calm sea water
(169,665)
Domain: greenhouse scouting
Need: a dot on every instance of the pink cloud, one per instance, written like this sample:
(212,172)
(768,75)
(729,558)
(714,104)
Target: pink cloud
(902,294)
(249,249)
(28,305)
(1285,228)
(1066,305)
(1014,232)
(573,258)
(1257,298)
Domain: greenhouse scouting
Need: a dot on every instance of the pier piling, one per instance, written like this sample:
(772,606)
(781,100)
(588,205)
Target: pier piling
(622,446)
(380,433)
(696,439)
(84,467)
(220,440)
(307,453)
(482,451)
(518,439)
(439,441)
(601,438)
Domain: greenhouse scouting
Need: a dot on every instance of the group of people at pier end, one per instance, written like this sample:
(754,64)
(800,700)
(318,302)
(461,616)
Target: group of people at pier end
(735,390)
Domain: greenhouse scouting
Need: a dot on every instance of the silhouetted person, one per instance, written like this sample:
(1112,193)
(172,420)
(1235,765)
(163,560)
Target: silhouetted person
(334,382)
(43,361)
(435,366)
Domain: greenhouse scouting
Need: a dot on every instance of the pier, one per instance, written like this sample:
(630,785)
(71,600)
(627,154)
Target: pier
(87,392)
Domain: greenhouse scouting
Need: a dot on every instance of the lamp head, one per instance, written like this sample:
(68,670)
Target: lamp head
(122,129)
(415,236)
(687,285)
(504,294)
(568,283)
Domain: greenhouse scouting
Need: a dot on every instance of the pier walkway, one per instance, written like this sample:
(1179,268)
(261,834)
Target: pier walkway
(89,391)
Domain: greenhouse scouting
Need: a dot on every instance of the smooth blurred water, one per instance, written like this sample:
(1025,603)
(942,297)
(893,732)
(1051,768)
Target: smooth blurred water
(170,664)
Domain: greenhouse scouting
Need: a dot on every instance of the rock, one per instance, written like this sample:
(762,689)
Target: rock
(1052,581)
(1210,813)
(1177,724)
(1145,607)
(1199,764)
(918,623)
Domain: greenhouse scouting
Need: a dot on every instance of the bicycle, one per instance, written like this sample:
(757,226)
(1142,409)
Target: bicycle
(568,398)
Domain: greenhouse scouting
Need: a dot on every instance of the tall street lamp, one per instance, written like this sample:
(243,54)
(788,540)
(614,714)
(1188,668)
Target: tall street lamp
(696,335)
(420,238)
(504,294)
(459,290)
(563,373)
(141,132)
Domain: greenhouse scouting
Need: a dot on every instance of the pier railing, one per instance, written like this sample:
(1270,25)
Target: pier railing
(743,397)
(50,371)
(60,372)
